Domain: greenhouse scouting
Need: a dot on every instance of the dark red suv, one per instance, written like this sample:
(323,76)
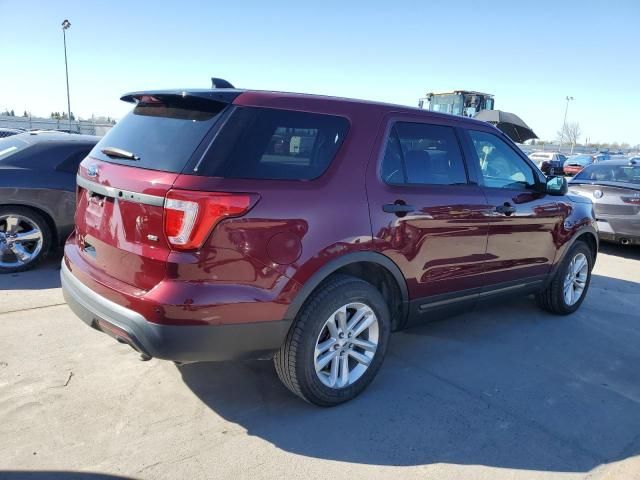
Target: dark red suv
(226,224)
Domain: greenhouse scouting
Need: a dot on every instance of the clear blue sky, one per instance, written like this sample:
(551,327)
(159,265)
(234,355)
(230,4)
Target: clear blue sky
(529,54)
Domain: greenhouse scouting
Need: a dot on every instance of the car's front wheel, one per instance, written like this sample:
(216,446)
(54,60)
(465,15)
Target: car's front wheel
(569,286)
(25,239)
(337,343)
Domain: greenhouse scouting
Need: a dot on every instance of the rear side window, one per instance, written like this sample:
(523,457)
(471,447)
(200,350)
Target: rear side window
(71,163)
(423,154)
(264,143)
(162,134)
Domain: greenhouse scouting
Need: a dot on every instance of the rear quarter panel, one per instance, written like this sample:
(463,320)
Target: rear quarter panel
(296,227)
(51,192)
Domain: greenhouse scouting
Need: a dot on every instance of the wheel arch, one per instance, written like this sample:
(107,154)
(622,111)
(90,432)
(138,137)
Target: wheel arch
(47,216)
(43,213)
(372,267)
(587,234)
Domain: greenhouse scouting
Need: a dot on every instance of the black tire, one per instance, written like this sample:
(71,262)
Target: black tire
(552,298)
(47,237)
(294,362)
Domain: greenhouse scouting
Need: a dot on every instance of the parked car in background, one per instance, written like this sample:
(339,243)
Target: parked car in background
(575,164)
(601,157)
(614,188)
(227,224)
(550,163)
(8,132)
(37,194)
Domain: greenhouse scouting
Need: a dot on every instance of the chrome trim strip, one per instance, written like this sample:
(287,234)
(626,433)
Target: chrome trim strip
(120,194)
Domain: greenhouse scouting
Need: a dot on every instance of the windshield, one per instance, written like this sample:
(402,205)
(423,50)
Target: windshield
(447,104)
(11,145)
(610,173)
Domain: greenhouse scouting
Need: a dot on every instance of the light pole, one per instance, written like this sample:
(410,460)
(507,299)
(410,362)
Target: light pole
(564,123)
(65,25)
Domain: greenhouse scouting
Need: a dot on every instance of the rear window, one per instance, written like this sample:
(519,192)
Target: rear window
(163,135)
(610,173)
(265,143)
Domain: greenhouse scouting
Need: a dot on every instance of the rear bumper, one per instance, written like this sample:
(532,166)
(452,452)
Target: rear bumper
(619,229)
(571,169)
(188,343)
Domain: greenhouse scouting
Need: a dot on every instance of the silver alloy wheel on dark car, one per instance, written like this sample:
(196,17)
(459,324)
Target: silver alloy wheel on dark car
(346,345)
(576,278)
(21,240)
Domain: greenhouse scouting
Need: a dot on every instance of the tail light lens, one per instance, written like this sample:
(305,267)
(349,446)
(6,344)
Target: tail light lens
(190,216)
(632,200)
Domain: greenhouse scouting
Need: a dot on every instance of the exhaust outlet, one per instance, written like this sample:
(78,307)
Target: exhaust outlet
(624,241)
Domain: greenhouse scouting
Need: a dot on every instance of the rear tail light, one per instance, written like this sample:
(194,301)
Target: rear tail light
(632,200)
(189,216)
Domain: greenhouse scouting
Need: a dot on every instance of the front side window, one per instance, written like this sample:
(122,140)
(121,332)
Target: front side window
(265,143)
(422,154)
(500,166)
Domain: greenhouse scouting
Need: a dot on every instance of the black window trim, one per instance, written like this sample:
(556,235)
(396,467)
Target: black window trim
(391,128)
(540,177)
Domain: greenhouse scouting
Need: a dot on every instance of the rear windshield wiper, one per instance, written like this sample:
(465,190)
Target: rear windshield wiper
(119,153)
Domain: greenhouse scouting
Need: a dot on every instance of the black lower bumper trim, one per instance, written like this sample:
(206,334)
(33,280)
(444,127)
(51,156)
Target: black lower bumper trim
(172,342)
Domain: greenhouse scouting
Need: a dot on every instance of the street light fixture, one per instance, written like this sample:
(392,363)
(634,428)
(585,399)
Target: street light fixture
(66,24)
(564,123)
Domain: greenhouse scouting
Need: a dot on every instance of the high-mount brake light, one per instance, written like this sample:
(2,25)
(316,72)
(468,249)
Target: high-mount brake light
(148,99)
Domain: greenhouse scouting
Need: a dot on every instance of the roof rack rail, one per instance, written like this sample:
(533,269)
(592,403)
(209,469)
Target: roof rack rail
(220,83)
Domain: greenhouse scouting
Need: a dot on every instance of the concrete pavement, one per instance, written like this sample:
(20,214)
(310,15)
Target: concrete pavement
(505,391)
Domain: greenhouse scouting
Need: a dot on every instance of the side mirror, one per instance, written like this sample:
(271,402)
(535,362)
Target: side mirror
(557,186)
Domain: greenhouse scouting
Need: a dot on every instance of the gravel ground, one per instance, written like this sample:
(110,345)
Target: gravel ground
(505,391)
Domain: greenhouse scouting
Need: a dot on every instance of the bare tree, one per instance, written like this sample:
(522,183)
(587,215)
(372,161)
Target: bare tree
(571,132)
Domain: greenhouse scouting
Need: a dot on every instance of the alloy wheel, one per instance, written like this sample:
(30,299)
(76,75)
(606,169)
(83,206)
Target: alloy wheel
(346,345)
(576,279)
(21,240)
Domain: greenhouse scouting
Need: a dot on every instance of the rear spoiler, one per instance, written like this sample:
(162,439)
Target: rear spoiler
(224,95)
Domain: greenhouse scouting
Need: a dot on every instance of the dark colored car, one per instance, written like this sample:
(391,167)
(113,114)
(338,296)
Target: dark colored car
(614,188)
(200,236)
(550,163)
(37,194)
(9,132)
(576,163)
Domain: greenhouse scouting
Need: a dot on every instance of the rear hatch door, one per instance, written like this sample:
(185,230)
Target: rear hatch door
(123,182)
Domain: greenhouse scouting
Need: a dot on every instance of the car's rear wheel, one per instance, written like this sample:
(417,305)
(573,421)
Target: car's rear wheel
(569,286)
(25,239)
(337,343)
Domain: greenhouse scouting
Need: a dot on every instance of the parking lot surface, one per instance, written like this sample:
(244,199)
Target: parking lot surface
(505,391)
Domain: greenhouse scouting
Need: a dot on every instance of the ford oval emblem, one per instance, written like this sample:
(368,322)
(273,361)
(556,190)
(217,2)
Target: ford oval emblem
(597,194)
(92,170)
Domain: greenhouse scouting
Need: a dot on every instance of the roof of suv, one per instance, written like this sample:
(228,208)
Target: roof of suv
(302,101)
